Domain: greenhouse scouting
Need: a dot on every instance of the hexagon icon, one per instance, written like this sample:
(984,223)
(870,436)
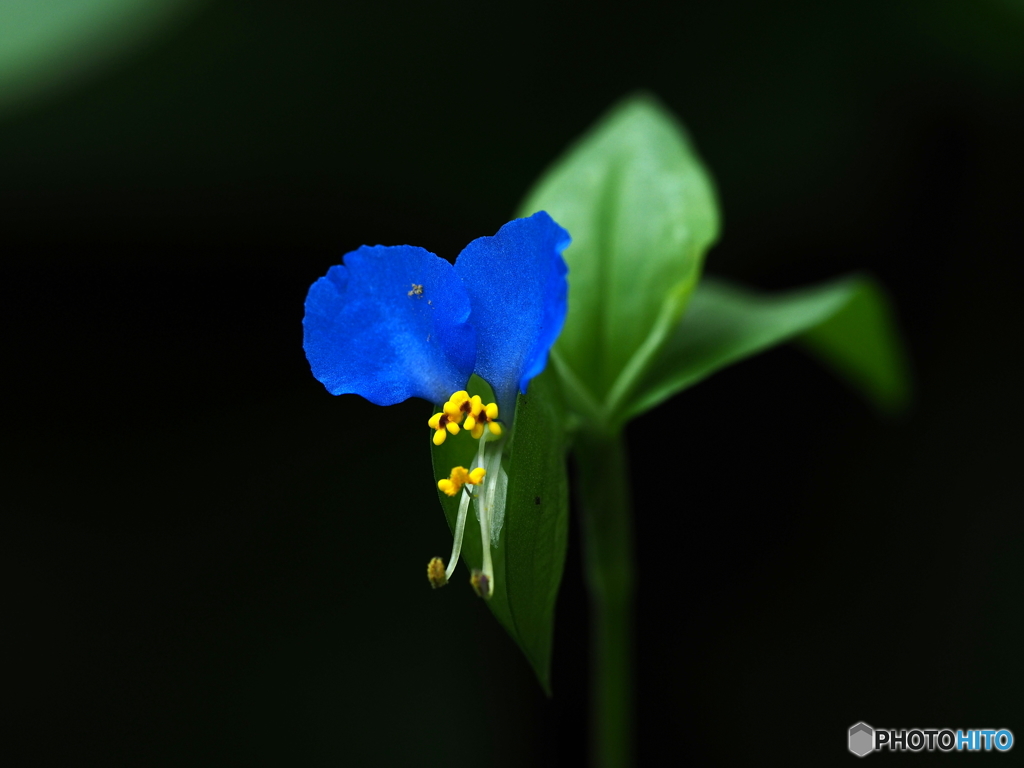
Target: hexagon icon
(862,739)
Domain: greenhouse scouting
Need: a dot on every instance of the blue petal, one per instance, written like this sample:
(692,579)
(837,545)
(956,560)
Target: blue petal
(368,330)
(517,289)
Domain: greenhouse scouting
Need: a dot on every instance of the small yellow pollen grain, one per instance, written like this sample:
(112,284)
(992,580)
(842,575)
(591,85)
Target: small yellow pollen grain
(495,428)
(452,427)
(435,573)
(477,476)
(417,290)
(470,422)
(434,421)
(447,487)
(477,431)
(439,436)
(492,411)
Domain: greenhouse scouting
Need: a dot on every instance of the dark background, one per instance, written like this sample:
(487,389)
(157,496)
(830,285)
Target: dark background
(207,560)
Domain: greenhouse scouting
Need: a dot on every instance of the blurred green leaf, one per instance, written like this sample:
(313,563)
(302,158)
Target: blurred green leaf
(846,322)
(529,555)
(641,210)
(861,343)
(46,43)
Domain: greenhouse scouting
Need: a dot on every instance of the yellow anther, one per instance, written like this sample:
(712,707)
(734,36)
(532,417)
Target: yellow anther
(457,406)
(461,406)
(440,422)
(459,477)
(435,573)
(481,584)
(481,415)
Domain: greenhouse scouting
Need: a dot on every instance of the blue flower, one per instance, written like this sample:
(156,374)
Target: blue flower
(399,322)
(396,322)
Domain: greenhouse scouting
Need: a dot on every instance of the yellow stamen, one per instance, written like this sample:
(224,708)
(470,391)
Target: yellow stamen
(457,406)
(459,477)
(471,412)
(435,573)
(481,416)
(481,584)
(440,422)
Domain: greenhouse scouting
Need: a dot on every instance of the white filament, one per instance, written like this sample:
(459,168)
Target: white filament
(460,528)
(482,513)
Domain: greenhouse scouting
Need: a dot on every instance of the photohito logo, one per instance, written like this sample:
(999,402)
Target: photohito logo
(864,739)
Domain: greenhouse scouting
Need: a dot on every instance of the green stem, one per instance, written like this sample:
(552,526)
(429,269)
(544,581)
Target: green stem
(603,474)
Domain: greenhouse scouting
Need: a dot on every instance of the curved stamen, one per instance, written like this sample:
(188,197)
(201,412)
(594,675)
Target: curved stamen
(460,529)
(484,586)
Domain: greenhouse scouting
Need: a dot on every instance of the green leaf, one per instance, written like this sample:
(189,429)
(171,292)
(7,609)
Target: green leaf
(845,322)
(641,210)
(46,43)
(862,344)
(529,555)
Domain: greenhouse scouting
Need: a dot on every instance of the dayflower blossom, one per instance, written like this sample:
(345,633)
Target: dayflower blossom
(395,322)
